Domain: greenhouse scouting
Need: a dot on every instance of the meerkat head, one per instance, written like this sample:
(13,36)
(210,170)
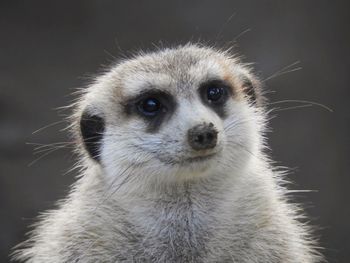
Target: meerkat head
(177,113)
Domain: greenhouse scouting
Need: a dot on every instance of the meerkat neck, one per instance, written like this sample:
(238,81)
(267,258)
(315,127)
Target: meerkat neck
(135,186)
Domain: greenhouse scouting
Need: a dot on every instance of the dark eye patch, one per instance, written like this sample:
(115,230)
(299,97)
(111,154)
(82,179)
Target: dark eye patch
(154,106)
(214,94)
(92,128)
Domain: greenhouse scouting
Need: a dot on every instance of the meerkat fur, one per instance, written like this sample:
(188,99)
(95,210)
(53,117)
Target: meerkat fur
(146,194)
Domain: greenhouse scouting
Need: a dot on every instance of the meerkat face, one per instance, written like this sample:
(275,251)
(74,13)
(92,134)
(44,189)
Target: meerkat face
(177,113)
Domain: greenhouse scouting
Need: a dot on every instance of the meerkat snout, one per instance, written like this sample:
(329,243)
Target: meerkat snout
(203,136)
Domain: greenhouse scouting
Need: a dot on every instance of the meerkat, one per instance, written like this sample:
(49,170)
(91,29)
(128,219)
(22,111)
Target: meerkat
(174,169)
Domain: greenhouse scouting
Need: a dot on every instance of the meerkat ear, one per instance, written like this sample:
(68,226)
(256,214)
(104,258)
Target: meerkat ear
(92,127)
(252,90)
(249,90)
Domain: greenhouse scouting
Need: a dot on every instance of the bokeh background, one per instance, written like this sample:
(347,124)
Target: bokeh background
(48,48)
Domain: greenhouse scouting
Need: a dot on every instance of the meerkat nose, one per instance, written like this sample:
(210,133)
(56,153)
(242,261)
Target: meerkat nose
(203,136)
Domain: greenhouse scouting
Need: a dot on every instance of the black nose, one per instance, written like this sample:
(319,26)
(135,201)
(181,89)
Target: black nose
(203,136)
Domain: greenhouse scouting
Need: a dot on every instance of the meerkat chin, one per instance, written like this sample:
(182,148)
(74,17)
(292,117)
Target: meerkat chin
(172,144)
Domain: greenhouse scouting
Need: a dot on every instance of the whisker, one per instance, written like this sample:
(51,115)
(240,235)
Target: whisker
(114,58)
(42,145)
(235,123)
(241,34)
(303,101)
(283,71)
(42,156)
(244,148)
(52,148)
(48,126)
(218,35)
(292,108)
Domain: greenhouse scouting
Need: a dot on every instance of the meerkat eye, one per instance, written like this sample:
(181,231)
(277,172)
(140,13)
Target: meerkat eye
(215,94)
(149,106)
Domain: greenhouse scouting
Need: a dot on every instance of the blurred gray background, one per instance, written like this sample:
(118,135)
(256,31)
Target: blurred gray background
(47,48)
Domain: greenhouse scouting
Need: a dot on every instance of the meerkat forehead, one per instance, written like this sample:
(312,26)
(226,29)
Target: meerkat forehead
(177,69)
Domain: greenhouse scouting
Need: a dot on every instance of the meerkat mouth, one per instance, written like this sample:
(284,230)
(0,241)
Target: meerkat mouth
(201,158)
(189,160)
